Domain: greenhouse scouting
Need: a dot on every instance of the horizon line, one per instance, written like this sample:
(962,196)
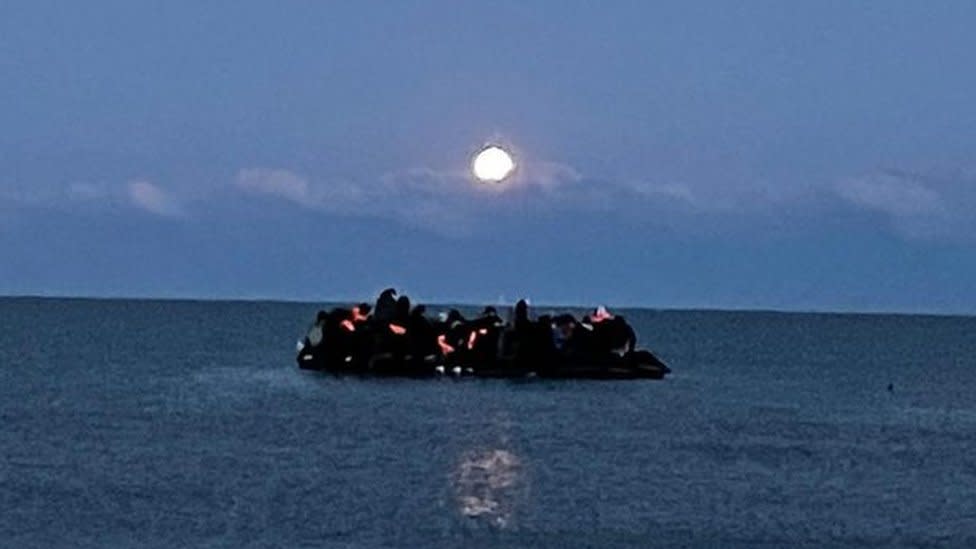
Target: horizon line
(471,303)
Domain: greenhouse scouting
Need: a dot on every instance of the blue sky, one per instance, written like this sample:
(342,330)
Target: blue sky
(800,155)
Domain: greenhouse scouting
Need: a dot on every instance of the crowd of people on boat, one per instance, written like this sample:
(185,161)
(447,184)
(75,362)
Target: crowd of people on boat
(349,337)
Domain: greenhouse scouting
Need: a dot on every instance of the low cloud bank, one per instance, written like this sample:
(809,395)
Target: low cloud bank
(449,202)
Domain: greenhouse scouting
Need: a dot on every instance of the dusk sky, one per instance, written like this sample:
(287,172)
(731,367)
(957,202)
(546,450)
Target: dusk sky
(789,155)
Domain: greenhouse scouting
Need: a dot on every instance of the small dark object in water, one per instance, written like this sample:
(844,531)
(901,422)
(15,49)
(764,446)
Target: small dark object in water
(891,387)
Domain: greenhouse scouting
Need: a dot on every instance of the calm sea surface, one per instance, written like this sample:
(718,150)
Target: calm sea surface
(186,424)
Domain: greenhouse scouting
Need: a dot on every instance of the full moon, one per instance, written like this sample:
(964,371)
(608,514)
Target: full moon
(492,165)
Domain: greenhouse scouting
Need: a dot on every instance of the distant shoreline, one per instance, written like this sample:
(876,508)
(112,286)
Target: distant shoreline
(466,304)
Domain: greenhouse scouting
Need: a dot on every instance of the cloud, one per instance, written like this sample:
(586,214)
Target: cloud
(101,197)
(549,174)
(151,198)
(278,182)
(896,195)
(449,201)
(922,205)
(917,205)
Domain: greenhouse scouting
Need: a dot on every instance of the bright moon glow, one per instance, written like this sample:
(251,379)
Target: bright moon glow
(492,165)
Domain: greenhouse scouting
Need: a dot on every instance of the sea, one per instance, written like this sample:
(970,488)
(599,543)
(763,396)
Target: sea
(185,424)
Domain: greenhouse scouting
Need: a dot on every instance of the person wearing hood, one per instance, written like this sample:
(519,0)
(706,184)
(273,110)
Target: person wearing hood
(385,307)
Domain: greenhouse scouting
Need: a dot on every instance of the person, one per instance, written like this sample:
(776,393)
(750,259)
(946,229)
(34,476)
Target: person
(420,332)
(573,339)
(391,331)
(359,331)
(310,355)
(623,337)
(599,315)
(544,341)
(563,329)
(516,338)
(521,321)
(490,313)
(610,333)
(314,336)
(401,311)
(506,341)
(361,313)
(599,324)
(483,337)
(452,333)
(337,333)
(385,306)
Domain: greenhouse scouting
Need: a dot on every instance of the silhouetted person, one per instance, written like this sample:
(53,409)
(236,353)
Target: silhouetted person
(311,344)
(517,342)
(609,333)
(521,320)
(483,337)
(361,336)
(564,326)
(543,356)
(543,333)
(452,336)
(392,335)
(623,335)
(338,339)
(314,336)
(385,307)
(448,321)
(420,332)
(401,311)
(360,313)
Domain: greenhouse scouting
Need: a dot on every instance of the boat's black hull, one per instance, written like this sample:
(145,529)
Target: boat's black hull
(641,365)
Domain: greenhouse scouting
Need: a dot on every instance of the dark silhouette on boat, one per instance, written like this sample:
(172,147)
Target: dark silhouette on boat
(391,339)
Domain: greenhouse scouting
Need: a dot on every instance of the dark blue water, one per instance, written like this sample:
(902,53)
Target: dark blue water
(186,424)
